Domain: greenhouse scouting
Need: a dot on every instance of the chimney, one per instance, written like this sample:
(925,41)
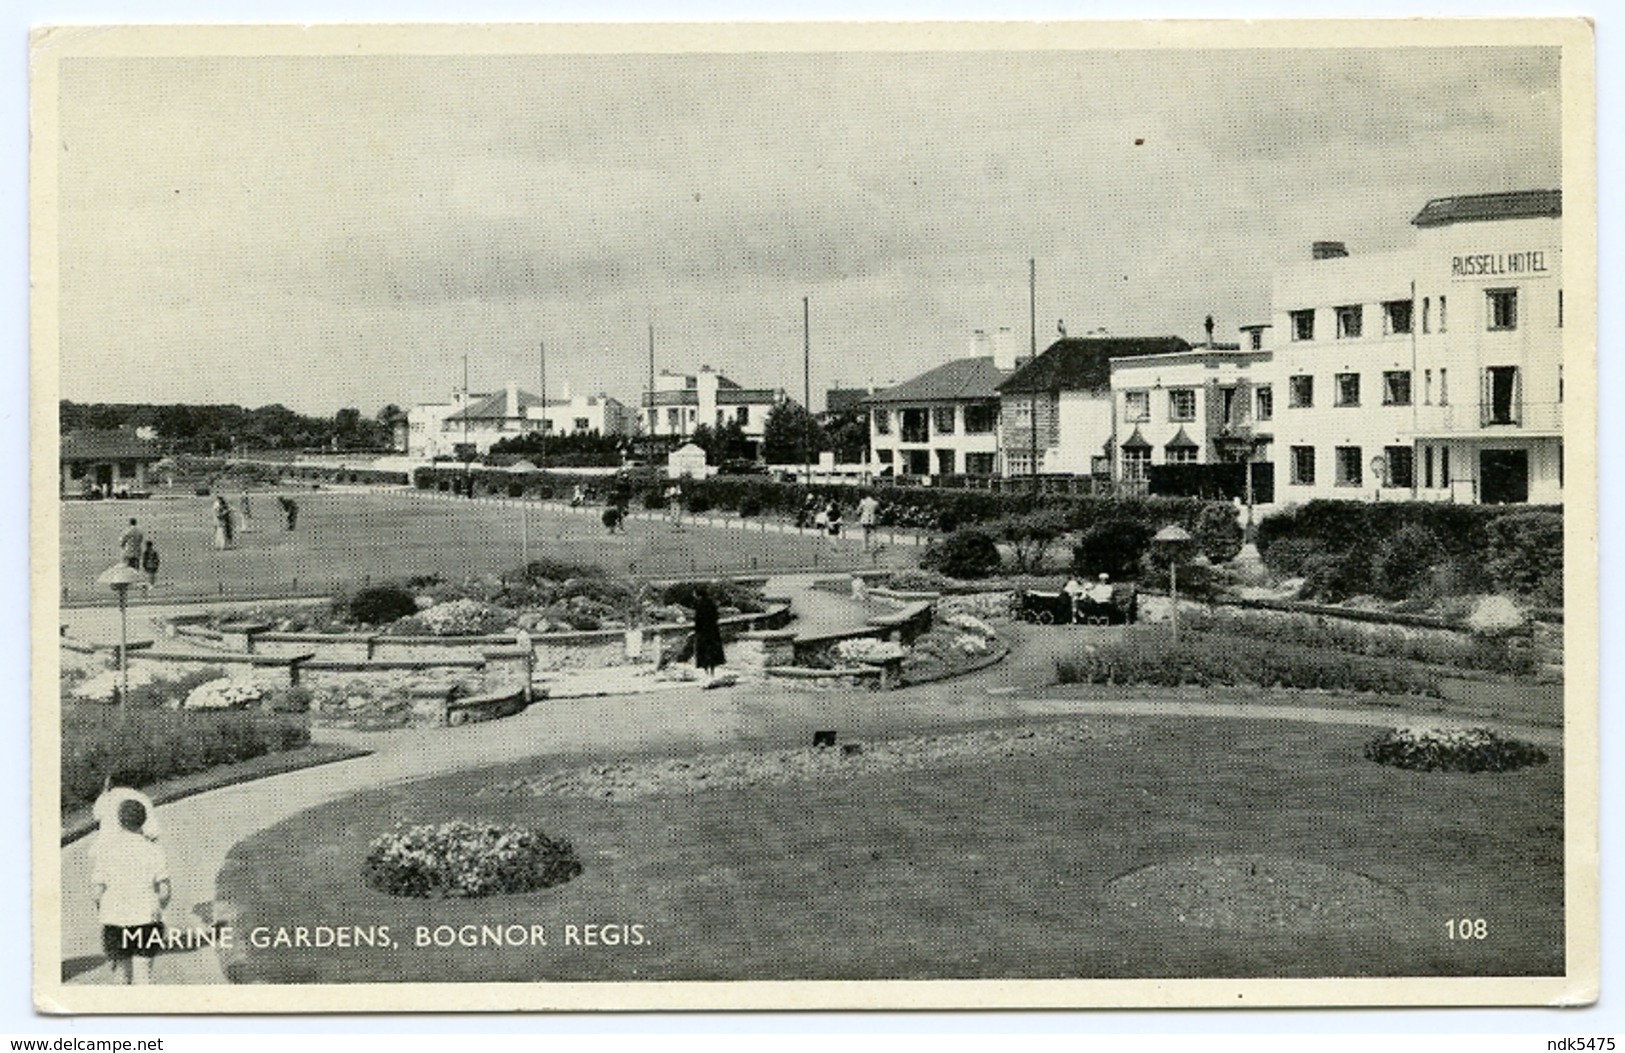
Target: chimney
(513,399)
(1328,250)
(1208,325)
(1004,349)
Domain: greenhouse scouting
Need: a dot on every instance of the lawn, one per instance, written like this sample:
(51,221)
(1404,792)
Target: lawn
(344,537)
(969,867)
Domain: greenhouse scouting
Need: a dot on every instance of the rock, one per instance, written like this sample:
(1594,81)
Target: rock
(1495,614)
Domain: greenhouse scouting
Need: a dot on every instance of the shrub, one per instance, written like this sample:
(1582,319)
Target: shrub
(1150,656)
(1452,749)
(654,500)
(1113,546)
(1403,562)
(1218,532)
(141,747)
(1292,556)
(461,858)
(963,554)
(698,503)
(1030,537)
(295,698)
(1525,554)
(750,507)
(379,604)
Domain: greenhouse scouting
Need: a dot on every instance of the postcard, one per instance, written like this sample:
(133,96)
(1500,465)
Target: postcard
(813,516)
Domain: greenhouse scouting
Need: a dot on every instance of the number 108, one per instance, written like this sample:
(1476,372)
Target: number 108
(1467,928)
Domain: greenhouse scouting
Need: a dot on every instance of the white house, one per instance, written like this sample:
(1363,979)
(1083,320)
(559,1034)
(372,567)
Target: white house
(437,429)
(681,402)
(1433,373)
(1059,407)
(946,420)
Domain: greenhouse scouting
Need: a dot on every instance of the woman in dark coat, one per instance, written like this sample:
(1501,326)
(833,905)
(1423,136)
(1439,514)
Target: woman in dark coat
(707,633)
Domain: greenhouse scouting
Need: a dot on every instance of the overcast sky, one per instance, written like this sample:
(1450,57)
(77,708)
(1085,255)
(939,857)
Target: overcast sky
(332,231)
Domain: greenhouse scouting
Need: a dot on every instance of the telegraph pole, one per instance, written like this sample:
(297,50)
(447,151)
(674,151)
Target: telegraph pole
(1032,329)
(806,389)
(542,456)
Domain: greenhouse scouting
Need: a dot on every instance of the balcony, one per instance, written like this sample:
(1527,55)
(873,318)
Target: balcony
(1477,419)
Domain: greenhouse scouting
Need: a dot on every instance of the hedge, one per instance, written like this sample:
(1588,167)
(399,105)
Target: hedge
(142,747)
(1404,548)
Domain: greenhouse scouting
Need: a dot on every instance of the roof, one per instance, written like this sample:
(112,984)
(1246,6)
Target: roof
(495,406)
(839,400)
(962,380)
(1180,441)
(1135,441)
(1475,208)
(112,444)
(1084,363)
(738,396)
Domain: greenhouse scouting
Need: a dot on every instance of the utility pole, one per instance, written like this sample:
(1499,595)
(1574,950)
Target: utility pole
(806,389)
(467,453)
(653,413)
(1032,329)
(541,457)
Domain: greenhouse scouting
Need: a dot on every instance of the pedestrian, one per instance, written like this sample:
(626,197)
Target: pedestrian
(131,880)
(248,512)
(149,563)
(832,516)
(868,516)
(290,510)
(674,504)
(222,522)
(707,632)
(129,544)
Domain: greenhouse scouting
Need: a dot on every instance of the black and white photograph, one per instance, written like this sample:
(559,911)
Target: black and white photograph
(817,516)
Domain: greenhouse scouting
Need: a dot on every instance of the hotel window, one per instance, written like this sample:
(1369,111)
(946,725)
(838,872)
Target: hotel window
(942,419)
(1502,401)
(1396,387)
(945,462)
(742,416)
(1503,308)
(1560,308)
(1444,466)
(1136,406)
(1346,389)
(674,419)
(1350,319)
(1181,404)
(884,456)
(978,464)
(1396,316)
(1135,463)
(1441,313)
(1300,391)
(882,422)
(1350,472)
(1427,314)
(1427,467)
(1401,466)
(981,419)
(1427,387)
(1255,337)
(1180,455)
(1303,324)
(915,429)
(583,424)
(1303,466)
(1444,386)
(1266,403)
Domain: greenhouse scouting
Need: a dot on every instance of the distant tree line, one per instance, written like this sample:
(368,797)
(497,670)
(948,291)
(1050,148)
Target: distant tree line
(222,429)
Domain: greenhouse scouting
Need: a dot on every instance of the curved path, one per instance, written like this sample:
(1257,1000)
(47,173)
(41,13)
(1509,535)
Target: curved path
(201,830)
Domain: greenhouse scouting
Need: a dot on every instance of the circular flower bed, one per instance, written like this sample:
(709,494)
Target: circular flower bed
(1452,749)
(461,858)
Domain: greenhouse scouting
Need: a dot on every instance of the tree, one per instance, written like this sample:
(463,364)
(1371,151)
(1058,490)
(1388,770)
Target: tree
(848,434)
(791,435)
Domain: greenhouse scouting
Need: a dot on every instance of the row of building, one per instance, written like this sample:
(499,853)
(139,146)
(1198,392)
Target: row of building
(1434,373)
(1430,373)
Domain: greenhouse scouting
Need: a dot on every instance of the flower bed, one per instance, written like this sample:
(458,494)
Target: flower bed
(1452,749)
(1149,655)
(461,858)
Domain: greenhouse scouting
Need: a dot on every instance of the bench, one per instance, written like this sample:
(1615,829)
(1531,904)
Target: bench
(292,663)
(907,623)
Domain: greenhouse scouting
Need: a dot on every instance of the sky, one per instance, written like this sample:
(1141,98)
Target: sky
(336,231)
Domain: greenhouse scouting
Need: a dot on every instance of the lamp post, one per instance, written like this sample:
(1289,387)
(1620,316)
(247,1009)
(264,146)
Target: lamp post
(1173,538)
(119,578)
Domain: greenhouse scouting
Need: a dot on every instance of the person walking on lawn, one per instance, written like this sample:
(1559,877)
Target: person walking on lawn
(149,563)
(707,633)
(129,544)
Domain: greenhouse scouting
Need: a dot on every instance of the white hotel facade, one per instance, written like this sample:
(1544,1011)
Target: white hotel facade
(1434,373)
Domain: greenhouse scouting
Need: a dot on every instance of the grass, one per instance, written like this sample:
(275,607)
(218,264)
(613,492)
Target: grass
(974,868)
(346,538)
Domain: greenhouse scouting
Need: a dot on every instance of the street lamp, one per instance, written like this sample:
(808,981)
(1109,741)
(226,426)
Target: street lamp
(119,578)
(1173,539)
